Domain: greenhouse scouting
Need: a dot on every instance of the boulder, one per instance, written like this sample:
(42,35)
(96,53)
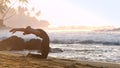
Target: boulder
(17,43)
(55,50)
(33,44)
(12,43)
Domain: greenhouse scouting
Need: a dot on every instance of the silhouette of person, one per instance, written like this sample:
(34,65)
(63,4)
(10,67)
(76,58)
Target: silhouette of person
(44,49)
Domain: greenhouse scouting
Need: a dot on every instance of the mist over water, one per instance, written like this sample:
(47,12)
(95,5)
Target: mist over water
(93,46)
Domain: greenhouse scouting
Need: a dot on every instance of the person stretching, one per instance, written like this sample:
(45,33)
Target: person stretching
(44,49)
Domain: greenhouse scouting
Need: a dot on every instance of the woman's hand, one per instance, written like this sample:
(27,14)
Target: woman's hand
(13,30)
(17,29)
(24,30)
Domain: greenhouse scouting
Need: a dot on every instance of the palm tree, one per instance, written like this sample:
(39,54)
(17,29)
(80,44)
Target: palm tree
(5,9)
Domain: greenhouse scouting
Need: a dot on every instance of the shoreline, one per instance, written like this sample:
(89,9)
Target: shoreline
(15,60)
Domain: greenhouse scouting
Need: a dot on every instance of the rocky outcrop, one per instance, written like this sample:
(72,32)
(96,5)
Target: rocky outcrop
(33,44)
(17,43)
(55,50)
(12,43)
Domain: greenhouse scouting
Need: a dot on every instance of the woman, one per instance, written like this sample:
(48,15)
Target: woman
(40,33)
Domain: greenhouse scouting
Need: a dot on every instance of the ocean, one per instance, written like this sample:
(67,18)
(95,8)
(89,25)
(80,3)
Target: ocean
(87,46)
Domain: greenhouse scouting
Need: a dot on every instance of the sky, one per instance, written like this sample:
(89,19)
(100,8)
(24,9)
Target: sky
(77,12)
(108,9)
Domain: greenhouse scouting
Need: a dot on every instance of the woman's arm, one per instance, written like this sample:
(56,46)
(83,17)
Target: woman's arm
(27,30)
(17,29)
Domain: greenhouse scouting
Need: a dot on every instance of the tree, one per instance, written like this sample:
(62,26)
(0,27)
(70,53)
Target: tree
(6,7)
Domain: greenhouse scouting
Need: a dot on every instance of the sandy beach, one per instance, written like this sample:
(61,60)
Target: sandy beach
(14,60)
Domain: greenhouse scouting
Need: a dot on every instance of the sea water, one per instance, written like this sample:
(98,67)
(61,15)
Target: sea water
(93,46)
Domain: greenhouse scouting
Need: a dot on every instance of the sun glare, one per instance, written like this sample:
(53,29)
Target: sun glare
(63,13)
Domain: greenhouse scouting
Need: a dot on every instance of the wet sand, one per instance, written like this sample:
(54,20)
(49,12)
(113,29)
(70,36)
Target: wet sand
(15,60)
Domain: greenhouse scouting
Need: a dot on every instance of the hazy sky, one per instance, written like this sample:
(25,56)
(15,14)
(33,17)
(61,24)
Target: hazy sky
(78,12)
(108,9)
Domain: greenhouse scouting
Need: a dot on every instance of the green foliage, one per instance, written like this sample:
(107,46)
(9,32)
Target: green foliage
(3,5)
(4,8)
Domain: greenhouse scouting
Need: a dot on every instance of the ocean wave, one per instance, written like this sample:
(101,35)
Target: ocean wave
(84,42)
(106,38)
(77,41)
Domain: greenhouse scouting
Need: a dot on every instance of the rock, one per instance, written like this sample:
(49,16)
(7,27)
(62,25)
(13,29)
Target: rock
(38,56)
(33,44)
(17,43)
(12,43)
(55,50)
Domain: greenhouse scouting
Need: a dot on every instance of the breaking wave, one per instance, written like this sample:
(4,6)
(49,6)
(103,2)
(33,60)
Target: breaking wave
(104,38)
(84,42)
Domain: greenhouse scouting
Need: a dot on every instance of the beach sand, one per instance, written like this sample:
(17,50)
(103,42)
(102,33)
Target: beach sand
(15,60)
